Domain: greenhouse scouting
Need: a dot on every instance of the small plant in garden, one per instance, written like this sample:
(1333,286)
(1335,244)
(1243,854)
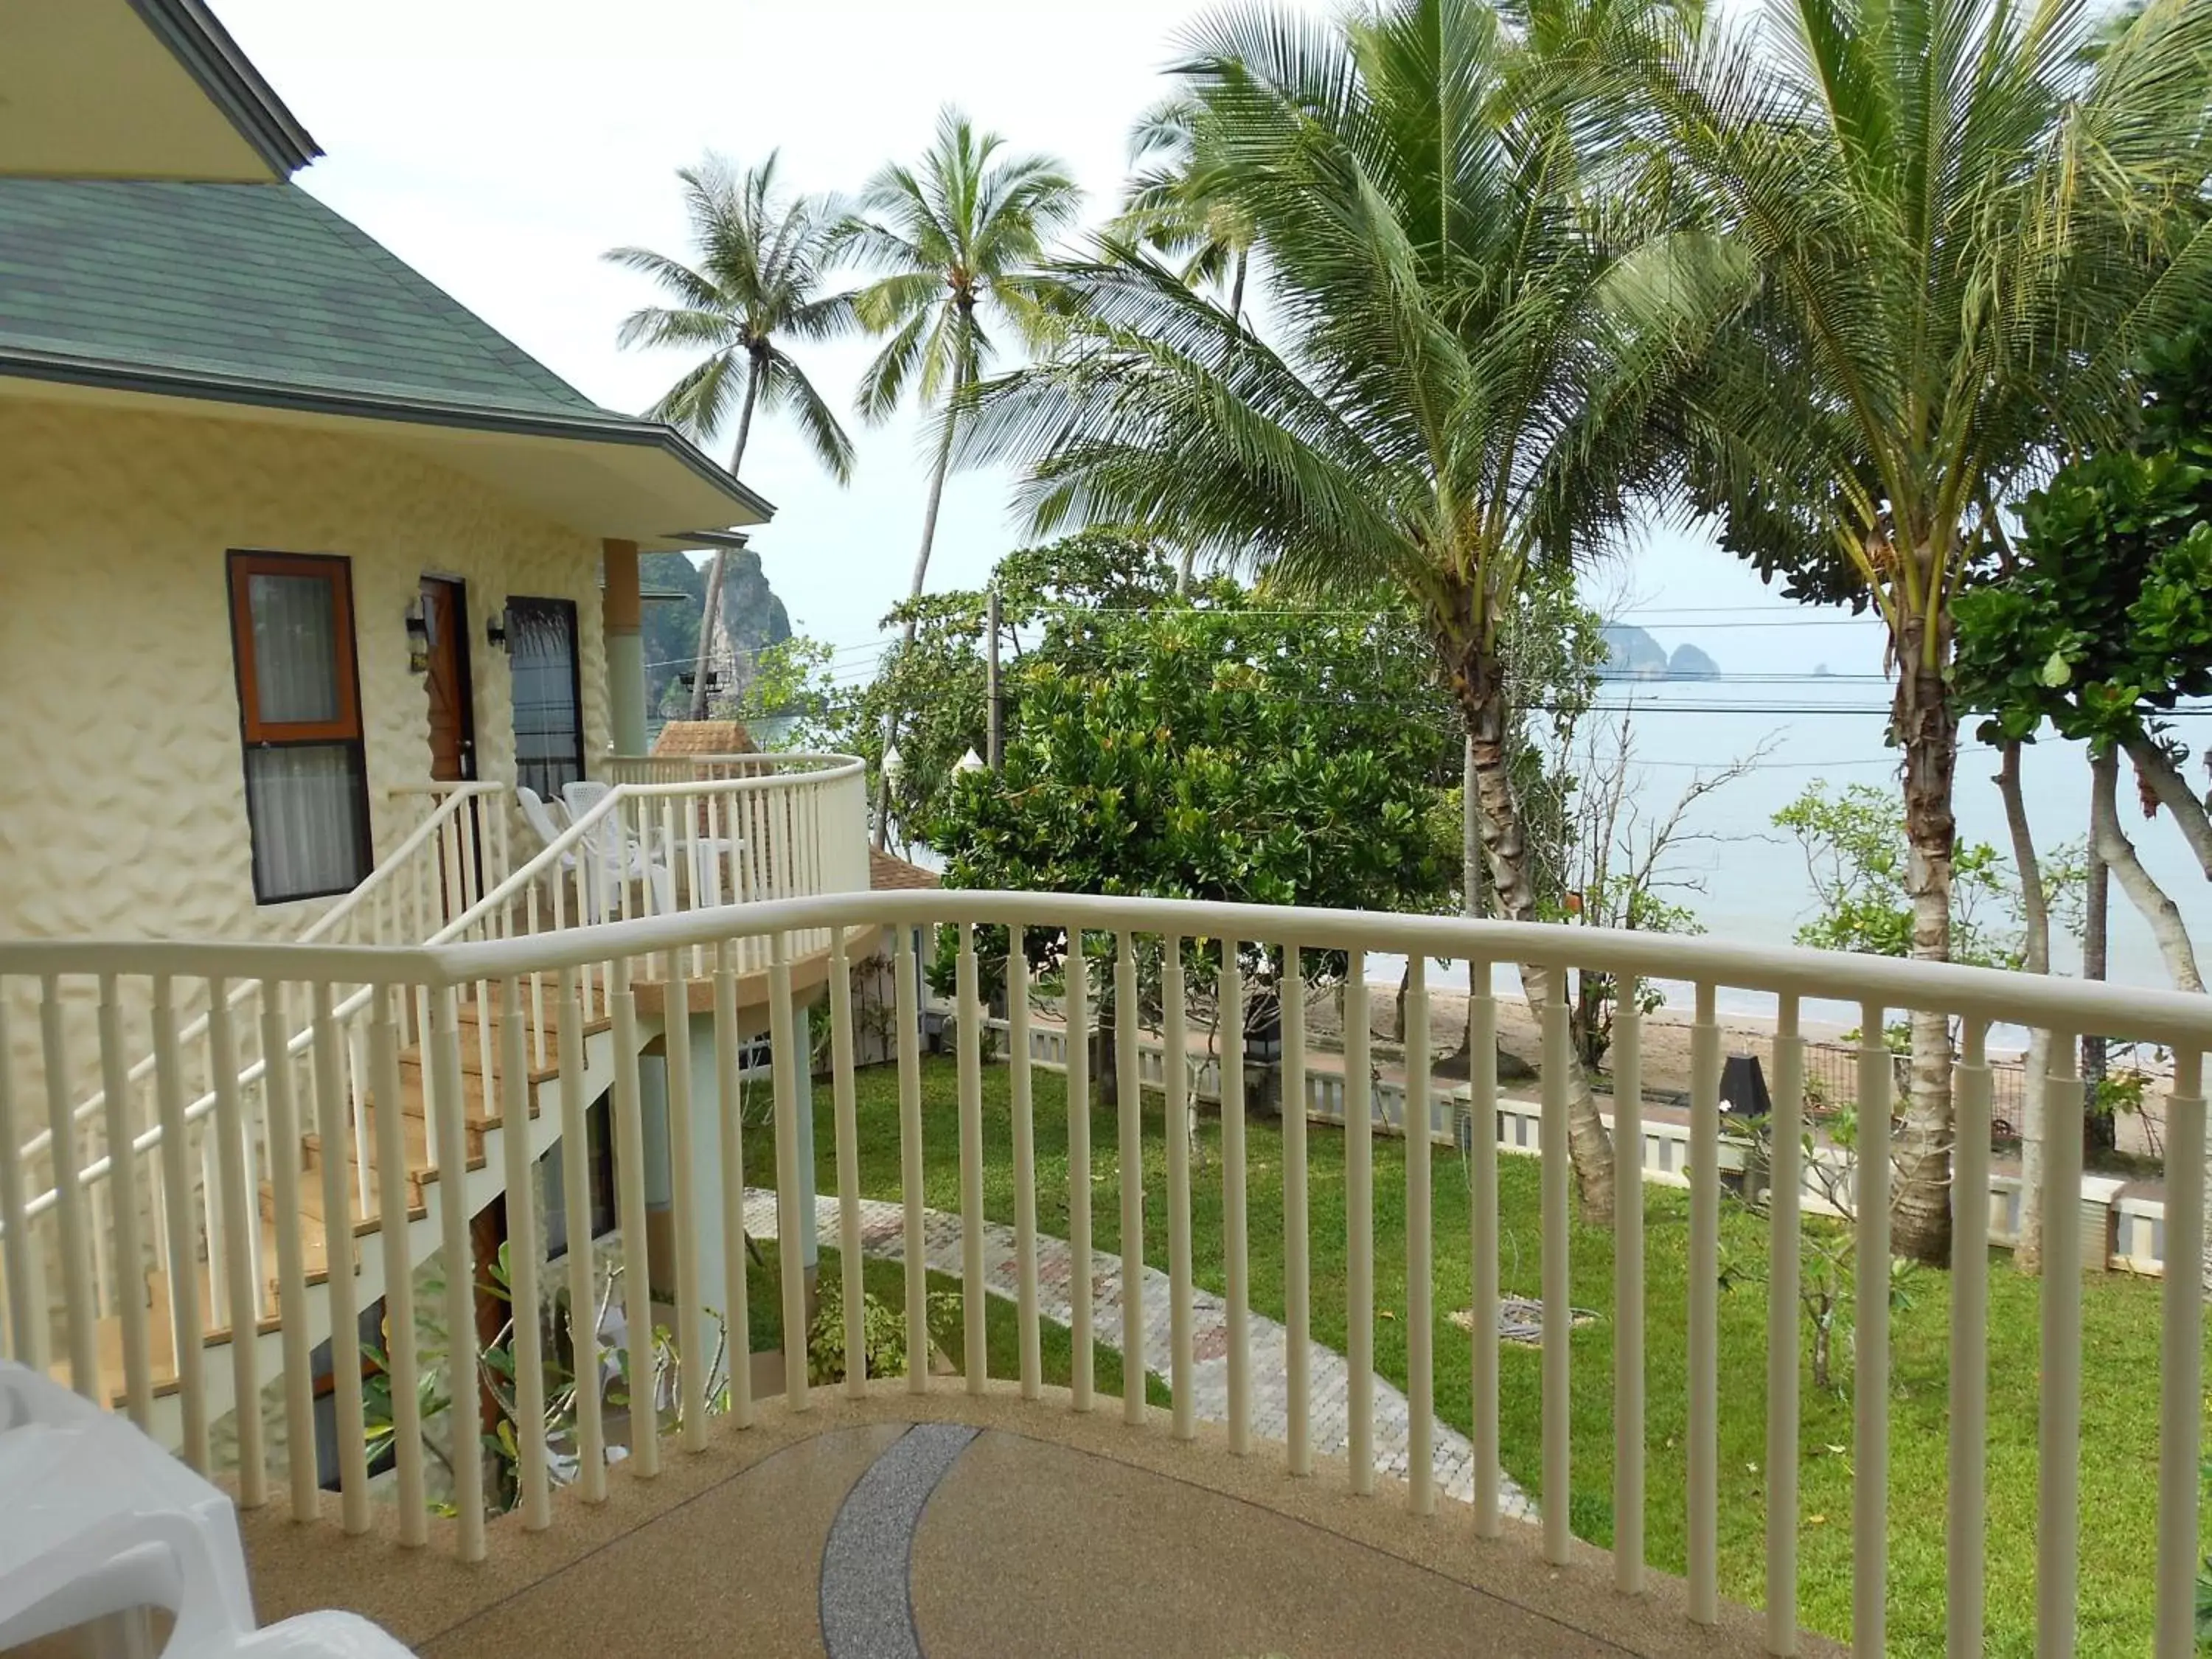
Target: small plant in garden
(1828,1271)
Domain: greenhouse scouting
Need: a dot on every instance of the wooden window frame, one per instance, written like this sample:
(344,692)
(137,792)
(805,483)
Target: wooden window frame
(240,566)
(336,570)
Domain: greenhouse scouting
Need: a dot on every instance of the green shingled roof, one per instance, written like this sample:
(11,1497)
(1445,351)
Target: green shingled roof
(258,283)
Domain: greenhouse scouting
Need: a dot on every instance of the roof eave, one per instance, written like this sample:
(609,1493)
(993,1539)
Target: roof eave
(201,44)
(267,394)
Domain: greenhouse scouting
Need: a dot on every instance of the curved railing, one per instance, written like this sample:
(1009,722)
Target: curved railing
(705,947)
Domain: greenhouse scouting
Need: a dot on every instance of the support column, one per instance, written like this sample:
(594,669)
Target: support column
(621,620)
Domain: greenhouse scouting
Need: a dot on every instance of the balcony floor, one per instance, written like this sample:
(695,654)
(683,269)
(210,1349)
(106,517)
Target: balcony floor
(945,1525)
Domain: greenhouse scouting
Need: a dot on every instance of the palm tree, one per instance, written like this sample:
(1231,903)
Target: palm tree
(1962,221)
(959,241)
(1456,389)
(1171,204)
(756,280)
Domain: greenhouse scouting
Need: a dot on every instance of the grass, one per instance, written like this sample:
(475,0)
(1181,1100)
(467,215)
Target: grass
(2120,1327)
(886,1282)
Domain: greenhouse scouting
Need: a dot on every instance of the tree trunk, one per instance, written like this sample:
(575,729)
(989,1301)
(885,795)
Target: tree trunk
(1480,688)
(2174,793)
(1920,1221)
(2096,941)
(2164,916)
(2035,914)
(914,592)
(2118,854)
(711,617)
(1236,284)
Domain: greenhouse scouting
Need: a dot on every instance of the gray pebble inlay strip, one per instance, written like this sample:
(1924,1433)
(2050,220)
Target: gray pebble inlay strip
(866,1609)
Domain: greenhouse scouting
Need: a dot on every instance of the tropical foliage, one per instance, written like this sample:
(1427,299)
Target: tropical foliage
(1962,220)
(1458,386)
(755,281)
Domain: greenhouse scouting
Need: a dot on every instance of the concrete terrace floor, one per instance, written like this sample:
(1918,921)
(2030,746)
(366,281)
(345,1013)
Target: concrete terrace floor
(945,1524)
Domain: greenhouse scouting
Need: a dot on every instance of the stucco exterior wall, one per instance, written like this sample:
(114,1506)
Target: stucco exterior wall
(122,794)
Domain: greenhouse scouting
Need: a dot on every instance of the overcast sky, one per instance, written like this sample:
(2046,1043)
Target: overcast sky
(500,146)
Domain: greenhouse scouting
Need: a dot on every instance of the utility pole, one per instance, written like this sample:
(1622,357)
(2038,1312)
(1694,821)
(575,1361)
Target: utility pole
(996,743)
(2096,935)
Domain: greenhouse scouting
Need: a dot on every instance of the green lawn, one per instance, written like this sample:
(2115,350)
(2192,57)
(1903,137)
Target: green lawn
(886,1282)
(2120,1323)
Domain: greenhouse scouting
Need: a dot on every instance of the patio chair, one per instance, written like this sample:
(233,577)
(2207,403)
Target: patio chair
(612,857)
(709,854)
(101,1522)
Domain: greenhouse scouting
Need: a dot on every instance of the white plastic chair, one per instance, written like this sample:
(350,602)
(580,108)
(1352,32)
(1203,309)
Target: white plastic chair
(612,857)
(99,1520)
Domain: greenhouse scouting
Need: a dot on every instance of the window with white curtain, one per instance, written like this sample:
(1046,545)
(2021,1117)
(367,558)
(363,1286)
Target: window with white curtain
(306,784)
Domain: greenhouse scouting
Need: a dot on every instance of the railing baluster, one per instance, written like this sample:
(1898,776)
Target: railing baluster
(1786,1177)
(1558,1313)
(2181,1359)
(1235,1246)
(1178,1120)
(1420,1330)
(1704,1343)
(26,1297)
(240,1215)
(1969,1357)
(790,1215)
(1359,1228)
(1627,1056)
(909,1010)
(1482,1223)
(357,1054)
(300,1462)
(1870,1341)
(432,1104)
(392,1193)
(690,1320)
(186,1328)
(1025,1258)
(1130,1088)
(849,1261)
(123,1182)
(68,1161)
(1297,1302)
(2057,1496)
(973,1296)
(341,1292)
(216,1235)
(630,1216)
(462,1382)
(729,1095)
(1076,973)
(522,1261)
(576,1208)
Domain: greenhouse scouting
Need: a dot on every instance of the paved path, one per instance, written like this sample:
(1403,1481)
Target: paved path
(883,1234)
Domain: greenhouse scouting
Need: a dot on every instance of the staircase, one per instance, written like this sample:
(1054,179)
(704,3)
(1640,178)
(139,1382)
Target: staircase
(483,1178)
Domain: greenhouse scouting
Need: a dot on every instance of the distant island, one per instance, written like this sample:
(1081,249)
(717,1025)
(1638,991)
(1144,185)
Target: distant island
(1637,656)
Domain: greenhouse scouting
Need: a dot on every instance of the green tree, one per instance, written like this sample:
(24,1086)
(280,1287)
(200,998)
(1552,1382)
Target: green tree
(1454,388)
(754,281)
(1958,224)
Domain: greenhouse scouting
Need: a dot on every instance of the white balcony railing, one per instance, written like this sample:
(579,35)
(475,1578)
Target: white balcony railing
(174,1084)
(703,950)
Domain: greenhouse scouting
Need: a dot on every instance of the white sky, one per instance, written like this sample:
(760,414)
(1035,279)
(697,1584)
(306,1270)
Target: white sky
(500,146)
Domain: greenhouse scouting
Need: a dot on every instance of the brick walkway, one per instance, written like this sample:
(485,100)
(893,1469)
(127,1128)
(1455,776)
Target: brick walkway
(883,1235)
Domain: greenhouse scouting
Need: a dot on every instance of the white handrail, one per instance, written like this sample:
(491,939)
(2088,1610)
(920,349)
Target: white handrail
(369,966)
(385,873)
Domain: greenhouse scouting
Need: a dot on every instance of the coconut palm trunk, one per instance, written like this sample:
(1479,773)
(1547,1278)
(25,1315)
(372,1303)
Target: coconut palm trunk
(712,616)
(1481,692)
(1928,726)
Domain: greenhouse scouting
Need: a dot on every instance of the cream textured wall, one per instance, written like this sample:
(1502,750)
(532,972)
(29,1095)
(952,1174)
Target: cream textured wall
(122,798)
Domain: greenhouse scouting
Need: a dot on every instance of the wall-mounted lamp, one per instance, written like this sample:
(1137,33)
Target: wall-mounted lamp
(418,638)
(496,630)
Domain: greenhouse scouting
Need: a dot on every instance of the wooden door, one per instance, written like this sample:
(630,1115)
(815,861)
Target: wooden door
(452,715)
